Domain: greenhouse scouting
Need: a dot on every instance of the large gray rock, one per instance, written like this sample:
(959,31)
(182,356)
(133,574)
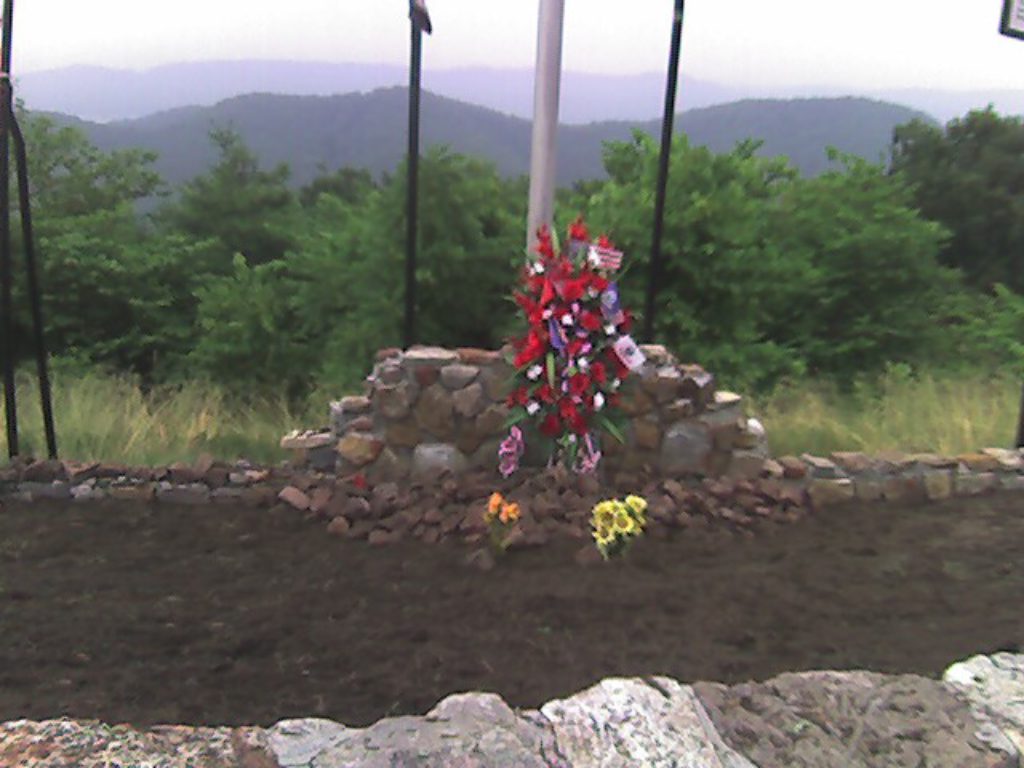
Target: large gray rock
(434,458)
(994,685)
(466,730)
(853,720)
(656,724)
(685,449)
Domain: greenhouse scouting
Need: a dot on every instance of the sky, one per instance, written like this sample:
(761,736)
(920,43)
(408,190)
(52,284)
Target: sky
(949,44)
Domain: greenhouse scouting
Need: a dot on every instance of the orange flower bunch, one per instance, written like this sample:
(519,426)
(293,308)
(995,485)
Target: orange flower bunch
(500,516)
(500,510)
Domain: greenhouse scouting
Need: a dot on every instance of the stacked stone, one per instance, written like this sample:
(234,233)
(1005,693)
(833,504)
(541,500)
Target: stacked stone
(429,410)
(899,477)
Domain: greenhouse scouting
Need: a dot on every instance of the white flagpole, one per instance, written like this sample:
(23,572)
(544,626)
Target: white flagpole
(547,82)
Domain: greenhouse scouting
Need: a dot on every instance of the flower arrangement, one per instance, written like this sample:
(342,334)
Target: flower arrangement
(500,516)
(614,524)
(576,353)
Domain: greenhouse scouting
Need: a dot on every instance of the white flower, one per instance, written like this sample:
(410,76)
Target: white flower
(598,401)
(616,383)
(538,268)
(593,257)
(592,293)
(546,314)
(567,320)
(572,438)
(583,363)
(609,330)
(532,407)
(534,373)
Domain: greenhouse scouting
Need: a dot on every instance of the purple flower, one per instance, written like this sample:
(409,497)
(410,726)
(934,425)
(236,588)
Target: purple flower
(588,458)
(509,452)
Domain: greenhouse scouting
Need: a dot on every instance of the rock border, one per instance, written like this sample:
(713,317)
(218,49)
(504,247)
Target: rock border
(554,503)
(972,717)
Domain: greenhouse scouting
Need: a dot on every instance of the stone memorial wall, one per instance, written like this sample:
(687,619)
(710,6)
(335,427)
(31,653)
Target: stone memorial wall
(428,409)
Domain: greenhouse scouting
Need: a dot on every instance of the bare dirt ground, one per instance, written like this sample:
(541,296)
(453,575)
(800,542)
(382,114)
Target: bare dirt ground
(213,615)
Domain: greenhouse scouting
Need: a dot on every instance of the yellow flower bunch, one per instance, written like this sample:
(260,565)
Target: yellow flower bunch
(615,523)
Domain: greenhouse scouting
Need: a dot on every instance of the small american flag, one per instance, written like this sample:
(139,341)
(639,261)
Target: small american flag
(605,259)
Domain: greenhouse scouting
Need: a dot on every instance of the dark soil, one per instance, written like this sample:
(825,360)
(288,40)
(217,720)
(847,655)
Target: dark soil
(159,614)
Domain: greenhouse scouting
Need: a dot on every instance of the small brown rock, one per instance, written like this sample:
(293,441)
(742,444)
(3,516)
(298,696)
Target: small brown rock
(182,474)
(320,498)
(470,401)
(379,538)
(792,467)
(357,508)
(339,526)
(294,498)
(425,375)
(474,356)
(43,472)
(359,448)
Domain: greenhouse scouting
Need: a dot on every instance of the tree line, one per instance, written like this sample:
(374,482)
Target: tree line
(242,279)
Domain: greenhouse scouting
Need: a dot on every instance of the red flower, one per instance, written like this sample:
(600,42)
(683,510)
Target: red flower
(571,416)
(598,372)
(621,369)
(597,282)
(545,393)
(530,349)
(572,290)
(544,246)
(551,427)
(517,397)
(547,293)
(604,242)
(532,310)
(579,384)
(578,230)
(590,320)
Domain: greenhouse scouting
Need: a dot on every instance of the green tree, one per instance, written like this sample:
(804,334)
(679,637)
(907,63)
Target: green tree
(970,178)
(337,297)
(350,185)
(239,206)
(871,290)
(113,293)
(723,274)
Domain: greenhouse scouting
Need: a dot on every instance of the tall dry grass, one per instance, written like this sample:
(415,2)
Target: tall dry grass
(110,418)
(942,413)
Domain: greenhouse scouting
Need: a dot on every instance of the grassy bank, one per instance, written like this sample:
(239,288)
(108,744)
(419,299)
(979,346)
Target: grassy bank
(102,417)
(110,418)
(945,414)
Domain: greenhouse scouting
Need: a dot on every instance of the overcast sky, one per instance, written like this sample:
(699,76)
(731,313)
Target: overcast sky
(869,44)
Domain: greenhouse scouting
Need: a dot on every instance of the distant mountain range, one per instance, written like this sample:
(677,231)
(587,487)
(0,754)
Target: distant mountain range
(100,94)
(314,134)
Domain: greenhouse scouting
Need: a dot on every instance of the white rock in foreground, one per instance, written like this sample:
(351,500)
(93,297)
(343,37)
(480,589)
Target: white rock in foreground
(657,723)
(994,685)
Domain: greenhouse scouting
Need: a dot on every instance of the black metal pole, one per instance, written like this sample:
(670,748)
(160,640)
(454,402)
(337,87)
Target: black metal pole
(654,272)
(412,182)
(24,206)
(6,318)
